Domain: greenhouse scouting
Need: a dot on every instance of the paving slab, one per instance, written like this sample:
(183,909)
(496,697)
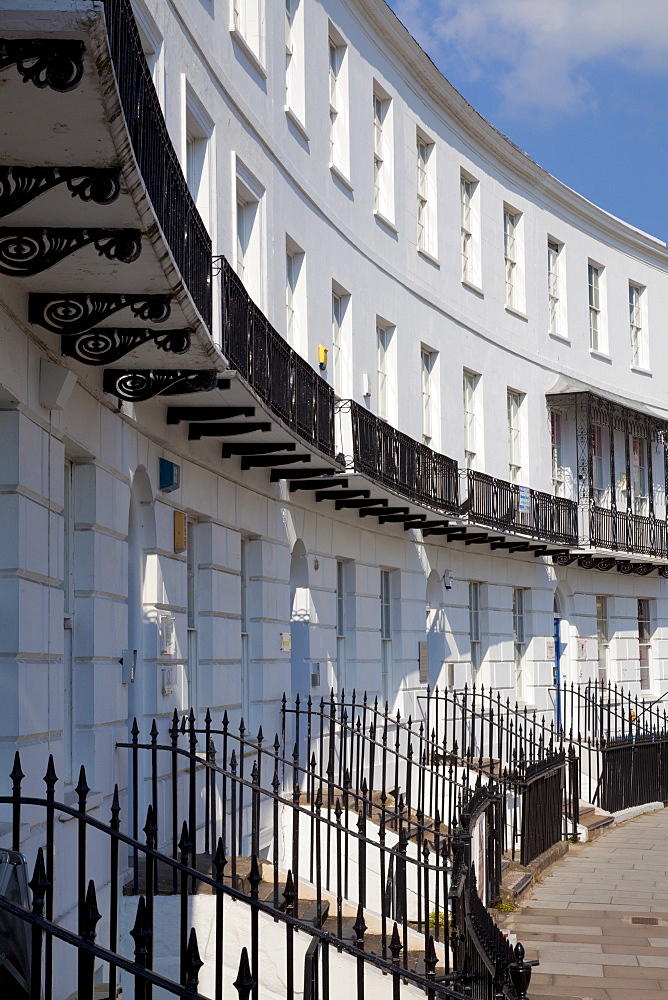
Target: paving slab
(598,919)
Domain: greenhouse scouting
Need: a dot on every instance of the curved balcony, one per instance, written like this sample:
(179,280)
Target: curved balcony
(282,379)
(508,507)
(405,466)
(624,531)
(175,210)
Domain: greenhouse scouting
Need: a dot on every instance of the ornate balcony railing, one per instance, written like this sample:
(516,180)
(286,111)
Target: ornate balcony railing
(158,163)
(621,530)
(403,464)
(280,376)
(507,507)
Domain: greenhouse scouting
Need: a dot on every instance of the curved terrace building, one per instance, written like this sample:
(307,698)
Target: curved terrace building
(311,380)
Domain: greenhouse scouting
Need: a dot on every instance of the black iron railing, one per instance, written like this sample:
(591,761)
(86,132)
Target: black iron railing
(542,806)
(623,531)
(175,210)
(634,772)
(281,377)
(508,507)
(402,464)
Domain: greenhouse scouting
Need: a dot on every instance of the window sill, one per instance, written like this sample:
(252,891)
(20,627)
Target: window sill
(252,56)
(384,221)
(641,371)
(294,120)
(601,355)
(517,312)
(429,257)
(561,337)
(341,177)
(472,287)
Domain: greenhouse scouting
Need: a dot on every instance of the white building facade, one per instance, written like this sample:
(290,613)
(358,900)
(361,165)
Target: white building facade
(417,263)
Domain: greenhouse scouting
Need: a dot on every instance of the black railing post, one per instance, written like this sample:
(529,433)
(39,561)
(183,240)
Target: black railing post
(141,933)
(360,928)
(254,879)
(184,849)
(82,791)
(50,779)
(193,962)
(86,959)
(244,982)
(395,951)
(219,863)
(134,732)
(39,885)
(289,896)
(17,777)
(114,825)
(192,791)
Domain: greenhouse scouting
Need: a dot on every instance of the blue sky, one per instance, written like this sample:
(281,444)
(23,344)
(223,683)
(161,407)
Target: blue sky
(581,85)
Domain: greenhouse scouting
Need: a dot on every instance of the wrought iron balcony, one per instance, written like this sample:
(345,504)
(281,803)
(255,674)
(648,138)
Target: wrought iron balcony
(624,531)
(403,464)
(507,507)
(156,157)
(279,376)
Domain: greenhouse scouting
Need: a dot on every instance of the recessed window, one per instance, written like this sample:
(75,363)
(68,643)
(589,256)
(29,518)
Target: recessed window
(639,351)
(511,222)
(519,638)
(295,96)
(426,195)
(558,472)
(470,384)
(383,340)
(199,152)
(598,475)
(597,332)
(427,364)
(603,638)
(339,152)
(474,625)
(248,22)
(470,229)
(383,153)
(644,644)
(248,228)
(295,295)
(639,489)
(514,402)
(553,288)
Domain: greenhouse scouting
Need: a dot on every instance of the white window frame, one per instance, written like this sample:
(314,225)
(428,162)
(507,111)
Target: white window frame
(247,29)
(645,643)
(295,88)
(474,626)
(640,454)
(386,630)
(519,641)
(341,341)
(198,157)
(598,476)
(339,140)
(603,638)
(429,387)
(386,370)
(295,296)
(470,382)
(249,232)
(553,289)
(426,195)
(556,442)
(383,154)
(514,401)
(513,253)
(152,47)
(597,332)
(639,351)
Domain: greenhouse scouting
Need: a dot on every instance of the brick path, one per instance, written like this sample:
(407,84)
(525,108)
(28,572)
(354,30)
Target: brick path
(599,919)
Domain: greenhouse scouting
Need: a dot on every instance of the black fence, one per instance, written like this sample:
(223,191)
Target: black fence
(634,771)
(403,465)
(183,228)
(508,507)
(542,807)
(623,531)
(282,378)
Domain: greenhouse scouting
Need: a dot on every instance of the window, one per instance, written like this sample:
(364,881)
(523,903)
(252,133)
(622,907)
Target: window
(467,228)
(557,462)
(640,493)
(474,625)
(553,285)
(639,351)
(519,638)
(603,638)
(245,632)
(385,371)
(383,181)
(427,361)
(295,296)
(151,43)
(340,624)
(294,60)
(597,462)
(514,436)
(249,264)
(644,643)
(199,150)
(337,320)
(386,630)
(595,329)
(69,688)
(192,613)
(248,22)
(510,223)
(426,196)
(470,436)
(338,99)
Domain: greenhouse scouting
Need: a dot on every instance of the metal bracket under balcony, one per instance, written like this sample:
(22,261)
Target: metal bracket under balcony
(72,313)
(19,185)
(25,252)
(104,345)
(47,62)
(139,385)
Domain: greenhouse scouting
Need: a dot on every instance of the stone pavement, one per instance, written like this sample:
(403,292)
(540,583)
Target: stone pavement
(598,921)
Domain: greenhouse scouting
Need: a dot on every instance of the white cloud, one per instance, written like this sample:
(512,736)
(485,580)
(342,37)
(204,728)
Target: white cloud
(540,50)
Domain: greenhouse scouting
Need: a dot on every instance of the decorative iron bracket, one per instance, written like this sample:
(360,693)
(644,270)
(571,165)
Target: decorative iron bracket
(24,252)
(105,345)
(19,185)
(136,386)
(74,313)
(47,62)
